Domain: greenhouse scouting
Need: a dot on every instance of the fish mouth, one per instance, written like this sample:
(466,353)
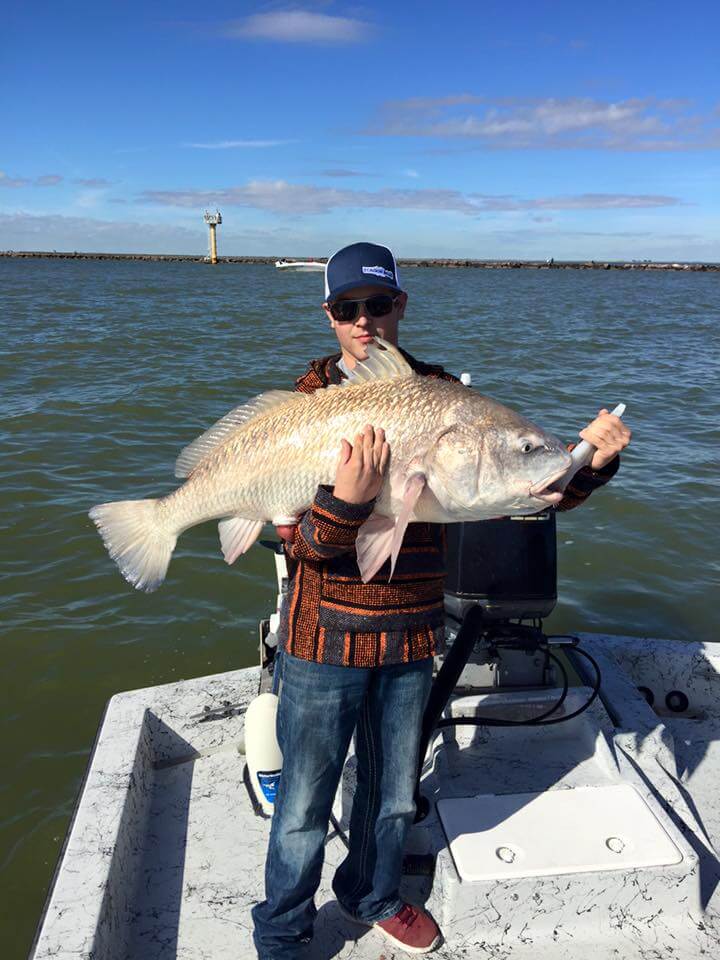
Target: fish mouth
(542,490)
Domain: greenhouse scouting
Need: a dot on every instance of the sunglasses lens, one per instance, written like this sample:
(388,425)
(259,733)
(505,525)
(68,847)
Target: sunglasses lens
(345,311)
(379,306)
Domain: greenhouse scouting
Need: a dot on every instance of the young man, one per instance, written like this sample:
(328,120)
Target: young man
(358,657)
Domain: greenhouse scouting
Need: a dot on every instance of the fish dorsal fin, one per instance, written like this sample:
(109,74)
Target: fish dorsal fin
(204,445)
(384,362)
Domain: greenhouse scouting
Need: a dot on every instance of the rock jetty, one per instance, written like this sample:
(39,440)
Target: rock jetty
(419,262)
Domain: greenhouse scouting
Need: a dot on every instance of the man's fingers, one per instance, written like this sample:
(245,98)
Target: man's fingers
(378,446)
(384,457)
(357,451)
(368,444)
(345,451)
(607,435)
(595,437)
(606,428)
(597,430)
(286,531)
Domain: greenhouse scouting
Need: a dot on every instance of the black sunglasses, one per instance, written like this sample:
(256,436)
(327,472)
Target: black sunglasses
(346,311)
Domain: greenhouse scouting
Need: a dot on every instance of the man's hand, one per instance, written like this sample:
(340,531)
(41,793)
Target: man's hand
(609,434)
(286,531)
(360,472)
(361,467)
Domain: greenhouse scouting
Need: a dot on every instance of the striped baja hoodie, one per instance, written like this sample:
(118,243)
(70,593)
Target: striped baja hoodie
(328,614)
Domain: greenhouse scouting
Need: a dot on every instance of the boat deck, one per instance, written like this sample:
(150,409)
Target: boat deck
(165,857)
(203,870)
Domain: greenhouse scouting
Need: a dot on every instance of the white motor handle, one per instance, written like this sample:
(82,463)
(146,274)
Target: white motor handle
(583,454)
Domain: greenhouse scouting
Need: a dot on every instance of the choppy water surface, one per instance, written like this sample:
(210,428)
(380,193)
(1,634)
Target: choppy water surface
(109,369)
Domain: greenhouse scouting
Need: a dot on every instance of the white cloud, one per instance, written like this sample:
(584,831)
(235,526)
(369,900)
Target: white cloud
(342,172)
(92,182)
(13,182)
(299,26)
(281,197)
(87,199)
(26,231)
(22,230)
(46,180)
(583,201)
(232,144)
(556,123)
(413,174)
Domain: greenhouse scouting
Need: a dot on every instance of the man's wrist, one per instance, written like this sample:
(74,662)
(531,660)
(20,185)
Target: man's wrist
(608,469)
(328,500)
(349,498)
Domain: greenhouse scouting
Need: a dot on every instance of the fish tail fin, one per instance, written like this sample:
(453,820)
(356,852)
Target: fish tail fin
(136,540)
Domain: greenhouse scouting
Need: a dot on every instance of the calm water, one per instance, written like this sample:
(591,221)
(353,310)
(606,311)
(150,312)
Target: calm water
(109,369)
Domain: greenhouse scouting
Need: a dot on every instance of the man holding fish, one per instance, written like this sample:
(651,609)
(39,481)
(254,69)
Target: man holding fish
(364,610)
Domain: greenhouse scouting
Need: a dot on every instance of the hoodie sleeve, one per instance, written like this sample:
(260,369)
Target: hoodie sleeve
(585,481)
(329,528)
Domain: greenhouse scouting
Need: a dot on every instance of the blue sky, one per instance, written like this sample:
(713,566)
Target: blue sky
(472,129)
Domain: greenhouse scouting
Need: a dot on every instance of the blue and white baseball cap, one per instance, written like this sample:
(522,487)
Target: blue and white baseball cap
(360,265)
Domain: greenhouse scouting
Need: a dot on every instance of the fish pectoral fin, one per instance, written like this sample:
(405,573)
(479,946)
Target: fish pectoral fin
(237,535)
(381,537)
(414,486)
(373,544)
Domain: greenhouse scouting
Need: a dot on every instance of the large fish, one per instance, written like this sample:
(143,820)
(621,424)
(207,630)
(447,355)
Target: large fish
(454,455)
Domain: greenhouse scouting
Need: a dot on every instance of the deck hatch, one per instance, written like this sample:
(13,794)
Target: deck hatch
(580,830)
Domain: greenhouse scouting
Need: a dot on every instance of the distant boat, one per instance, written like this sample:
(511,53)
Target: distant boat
(304,265)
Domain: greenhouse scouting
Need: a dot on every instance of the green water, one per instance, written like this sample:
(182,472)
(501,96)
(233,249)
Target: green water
(109,369)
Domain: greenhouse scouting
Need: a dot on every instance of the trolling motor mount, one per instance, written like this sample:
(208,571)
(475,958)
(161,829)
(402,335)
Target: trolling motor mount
(499,571)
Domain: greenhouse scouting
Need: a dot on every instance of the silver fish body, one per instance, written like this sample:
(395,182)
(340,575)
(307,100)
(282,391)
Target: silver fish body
(455,455)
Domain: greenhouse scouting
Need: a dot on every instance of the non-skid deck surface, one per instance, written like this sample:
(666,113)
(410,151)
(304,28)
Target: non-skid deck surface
(203,871)
(697,753)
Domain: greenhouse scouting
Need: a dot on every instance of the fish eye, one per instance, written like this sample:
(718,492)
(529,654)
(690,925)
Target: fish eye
(527,446)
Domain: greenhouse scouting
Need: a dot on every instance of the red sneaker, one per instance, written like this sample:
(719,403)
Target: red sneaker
(411,929)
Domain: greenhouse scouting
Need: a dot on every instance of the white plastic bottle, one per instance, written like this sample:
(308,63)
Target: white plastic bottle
(262,751)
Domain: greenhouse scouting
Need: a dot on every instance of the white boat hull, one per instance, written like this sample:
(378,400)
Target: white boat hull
(165,855)
(306,266)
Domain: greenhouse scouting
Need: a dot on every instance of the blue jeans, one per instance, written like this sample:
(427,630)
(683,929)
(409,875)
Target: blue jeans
(320,707)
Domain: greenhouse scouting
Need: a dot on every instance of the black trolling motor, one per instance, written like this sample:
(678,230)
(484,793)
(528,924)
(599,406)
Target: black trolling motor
(501,573)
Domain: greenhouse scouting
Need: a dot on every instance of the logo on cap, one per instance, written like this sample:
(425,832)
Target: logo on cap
(379,272)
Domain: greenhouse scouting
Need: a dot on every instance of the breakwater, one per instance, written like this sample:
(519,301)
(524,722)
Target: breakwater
(407,262)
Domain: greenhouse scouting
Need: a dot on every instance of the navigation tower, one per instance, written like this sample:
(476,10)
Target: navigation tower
(212,220)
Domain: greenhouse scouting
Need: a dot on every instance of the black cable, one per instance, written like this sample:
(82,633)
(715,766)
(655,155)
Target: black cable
(495,722)
(593,695)
(537,721)
(339,830)
(540,721)
(595,690)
